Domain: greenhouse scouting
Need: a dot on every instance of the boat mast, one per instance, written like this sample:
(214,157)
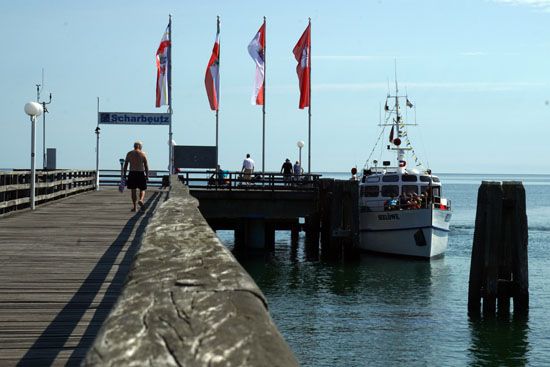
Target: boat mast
(400,152)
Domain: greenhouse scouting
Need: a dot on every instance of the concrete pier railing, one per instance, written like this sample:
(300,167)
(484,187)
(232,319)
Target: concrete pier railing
(187,302)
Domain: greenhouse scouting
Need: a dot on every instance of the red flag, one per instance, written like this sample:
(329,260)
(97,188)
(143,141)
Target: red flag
(212,77)
(302,53)
(163,62)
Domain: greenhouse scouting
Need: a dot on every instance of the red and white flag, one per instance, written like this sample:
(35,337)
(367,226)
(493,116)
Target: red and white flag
(212,77)
(302,53)
(256,49)
(163,67)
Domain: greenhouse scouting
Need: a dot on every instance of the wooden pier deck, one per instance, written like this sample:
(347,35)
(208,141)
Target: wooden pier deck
(62,268)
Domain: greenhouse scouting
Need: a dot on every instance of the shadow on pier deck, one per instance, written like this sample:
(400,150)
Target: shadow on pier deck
(62,269)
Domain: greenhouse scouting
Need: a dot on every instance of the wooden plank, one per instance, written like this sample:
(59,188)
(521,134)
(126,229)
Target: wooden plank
(63,267)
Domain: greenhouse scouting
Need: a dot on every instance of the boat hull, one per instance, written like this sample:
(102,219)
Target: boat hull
(420,233)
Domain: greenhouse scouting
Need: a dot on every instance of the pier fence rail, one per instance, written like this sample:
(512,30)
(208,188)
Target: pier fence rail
(228,180)
(258,181)
(50,185)
(111,177)
(187,301)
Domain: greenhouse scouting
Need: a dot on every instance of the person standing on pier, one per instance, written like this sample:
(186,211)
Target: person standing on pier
(248,168)
(286,170)
(138,175)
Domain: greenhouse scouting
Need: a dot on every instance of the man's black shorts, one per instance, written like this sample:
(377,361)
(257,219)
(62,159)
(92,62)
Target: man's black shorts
(136,180)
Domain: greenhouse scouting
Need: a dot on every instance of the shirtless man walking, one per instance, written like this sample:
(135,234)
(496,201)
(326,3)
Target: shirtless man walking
(138,175)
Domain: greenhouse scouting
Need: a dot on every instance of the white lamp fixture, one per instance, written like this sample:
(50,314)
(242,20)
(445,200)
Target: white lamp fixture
(300,145)
(33,109)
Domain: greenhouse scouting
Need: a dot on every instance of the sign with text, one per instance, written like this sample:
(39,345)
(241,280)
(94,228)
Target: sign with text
(133,118)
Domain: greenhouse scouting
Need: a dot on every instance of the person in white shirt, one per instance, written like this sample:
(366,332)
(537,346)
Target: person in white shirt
(248,168)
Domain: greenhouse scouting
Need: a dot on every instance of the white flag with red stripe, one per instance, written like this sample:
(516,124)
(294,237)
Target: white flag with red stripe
(163,62)
(302,53)
(212,77)
(256,49)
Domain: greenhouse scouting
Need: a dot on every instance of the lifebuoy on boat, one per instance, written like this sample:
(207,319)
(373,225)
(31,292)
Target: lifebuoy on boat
(402,163)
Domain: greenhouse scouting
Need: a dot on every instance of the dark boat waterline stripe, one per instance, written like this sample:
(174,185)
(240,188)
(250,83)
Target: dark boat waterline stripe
(404,229)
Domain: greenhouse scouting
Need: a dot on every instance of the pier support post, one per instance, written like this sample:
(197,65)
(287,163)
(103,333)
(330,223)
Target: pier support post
(516,214)
(498,268)
(312,228)
(339,215)
(294,233)
(269,236)
(255,233)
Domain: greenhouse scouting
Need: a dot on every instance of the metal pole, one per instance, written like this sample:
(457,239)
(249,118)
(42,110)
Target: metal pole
(263,106)
(170,147)
(97,130)
(44,159)
(300,156)
(33,161)
(309,107)
(218,97)
(217,149)
(97,160)
(44,110)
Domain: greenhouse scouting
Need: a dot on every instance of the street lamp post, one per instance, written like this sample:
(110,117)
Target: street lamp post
(33,109)
(97,132)
(300,145)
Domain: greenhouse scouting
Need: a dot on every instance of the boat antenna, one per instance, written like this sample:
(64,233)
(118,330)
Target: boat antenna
(395,69)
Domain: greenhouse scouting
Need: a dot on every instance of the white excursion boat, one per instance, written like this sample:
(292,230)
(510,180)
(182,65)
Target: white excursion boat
(402,211)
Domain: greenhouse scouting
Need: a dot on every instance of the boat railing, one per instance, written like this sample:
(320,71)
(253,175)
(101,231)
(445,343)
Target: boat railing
(395,204)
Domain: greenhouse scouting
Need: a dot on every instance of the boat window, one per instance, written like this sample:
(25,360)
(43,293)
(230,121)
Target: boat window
(425,179)
(409,189)
(390,178)
(436,190)
(436,179)
(373,179)
(408,178)
(371,191)
(390,190)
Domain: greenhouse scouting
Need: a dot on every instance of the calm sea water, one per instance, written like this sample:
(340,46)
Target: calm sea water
(385,311)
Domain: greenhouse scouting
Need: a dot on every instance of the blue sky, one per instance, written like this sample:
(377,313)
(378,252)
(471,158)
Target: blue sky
(477,71)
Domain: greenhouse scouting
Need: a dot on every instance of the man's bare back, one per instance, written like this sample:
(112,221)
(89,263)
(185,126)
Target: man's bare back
(137,160)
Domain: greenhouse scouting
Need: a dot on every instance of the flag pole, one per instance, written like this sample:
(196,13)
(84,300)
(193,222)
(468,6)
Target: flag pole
(170,147)
(263,106)
(218,97)
(309,107)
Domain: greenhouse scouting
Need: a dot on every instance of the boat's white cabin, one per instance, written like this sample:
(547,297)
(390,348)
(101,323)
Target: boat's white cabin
(376,188)
(394,184)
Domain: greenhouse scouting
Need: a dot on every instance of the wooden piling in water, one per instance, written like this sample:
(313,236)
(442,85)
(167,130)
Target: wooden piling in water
(339,216)
(498,268)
